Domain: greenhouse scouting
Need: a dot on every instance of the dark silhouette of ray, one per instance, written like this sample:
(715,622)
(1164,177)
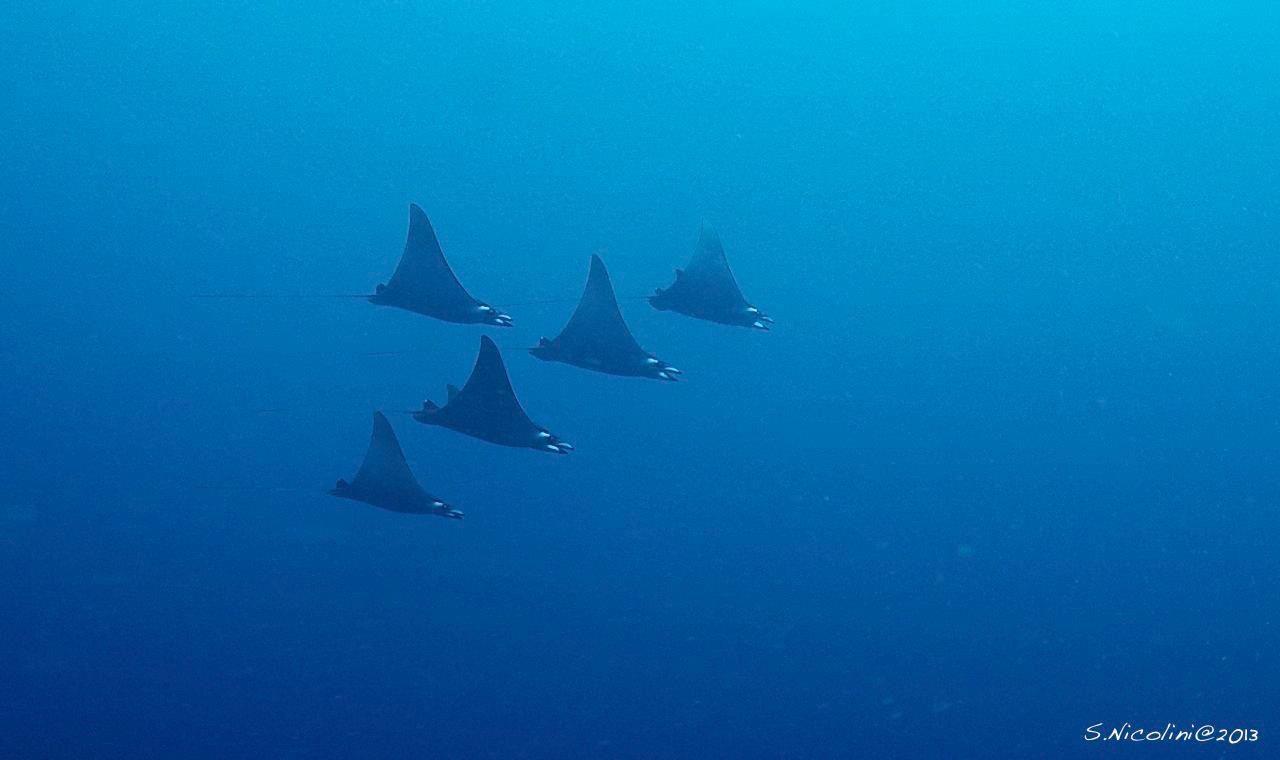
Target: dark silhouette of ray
(384,479)
(487,408)
(425,284)
(706,289)
(598,339)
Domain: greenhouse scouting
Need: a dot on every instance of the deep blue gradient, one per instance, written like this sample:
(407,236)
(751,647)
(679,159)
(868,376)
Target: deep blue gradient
(1006,467)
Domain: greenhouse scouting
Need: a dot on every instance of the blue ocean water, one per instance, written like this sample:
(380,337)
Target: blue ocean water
(1006,468)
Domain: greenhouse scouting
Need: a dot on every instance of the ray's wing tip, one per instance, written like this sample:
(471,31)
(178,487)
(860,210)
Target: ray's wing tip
(598,274)
(418,219)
